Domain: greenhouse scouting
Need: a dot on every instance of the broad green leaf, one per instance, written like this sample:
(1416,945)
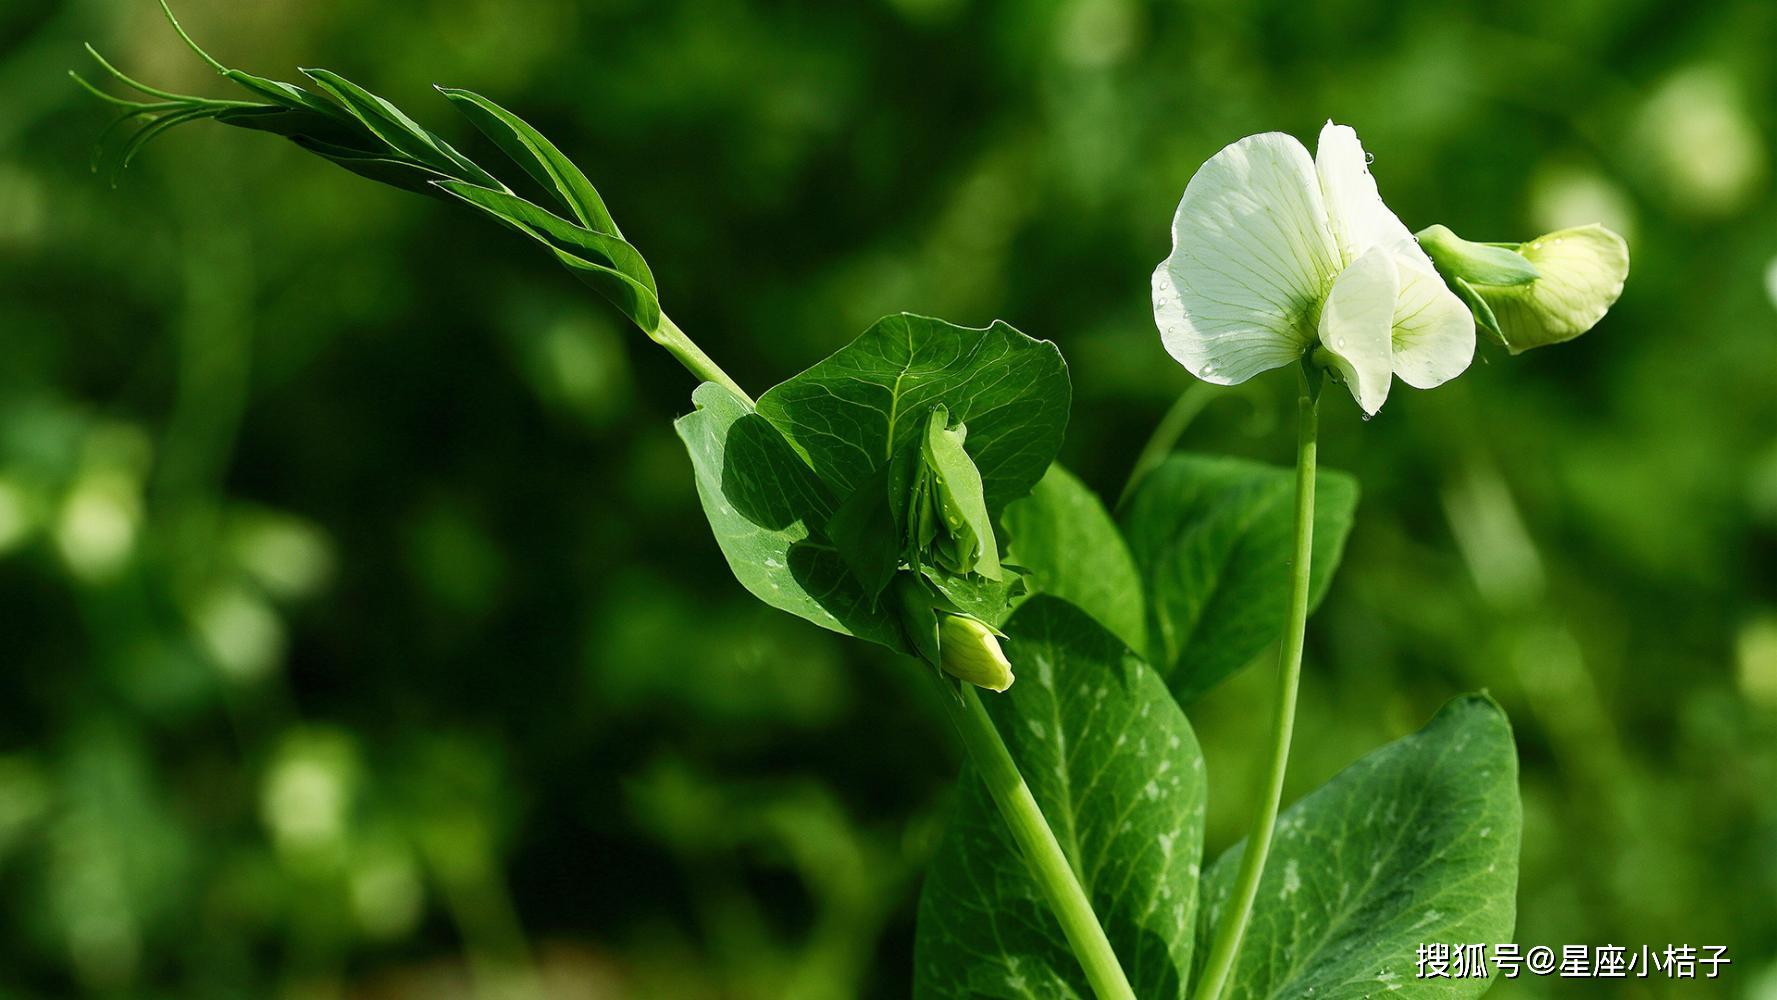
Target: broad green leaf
(1212,538)
(851,411)
(1116,769)
(1068,546)
(862,530)
(534,152)
(1416,843)
(598,248)
(761,501)
(1580,273)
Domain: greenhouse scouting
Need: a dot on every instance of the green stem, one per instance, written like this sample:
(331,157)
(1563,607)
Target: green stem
(669,336)
(1220,965)
(1042,852)
(1166,434)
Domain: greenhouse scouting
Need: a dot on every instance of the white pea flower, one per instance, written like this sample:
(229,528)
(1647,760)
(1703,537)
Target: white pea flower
(1274,253)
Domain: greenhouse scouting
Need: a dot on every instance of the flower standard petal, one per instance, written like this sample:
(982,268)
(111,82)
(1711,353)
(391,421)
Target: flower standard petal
(1355,212)
(1580,273)
(1355,327)
(1434,333)
(1251,258)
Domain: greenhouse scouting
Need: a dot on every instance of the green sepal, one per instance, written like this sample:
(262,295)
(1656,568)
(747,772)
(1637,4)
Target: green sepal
(989,600)
(1314,373)
(919,617)
(1476,263)
(1484,317)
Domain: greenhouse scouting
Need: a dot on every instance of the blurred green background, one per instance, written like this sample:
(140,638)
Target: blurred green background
(359,632)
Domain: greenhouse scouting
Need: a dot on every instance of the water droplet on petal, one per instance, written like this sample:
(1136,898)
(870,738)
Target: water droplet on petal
(1367,417)
(1206,371)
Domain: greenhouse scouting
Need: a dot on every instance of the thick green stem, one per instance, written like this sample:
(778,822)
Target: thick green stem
(669,336)
(1239,906)
(1042,852)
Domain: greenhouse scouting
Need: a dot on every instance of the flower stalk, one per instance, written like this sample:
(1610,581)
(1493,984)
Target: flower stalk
(1219,967)
(1048,865)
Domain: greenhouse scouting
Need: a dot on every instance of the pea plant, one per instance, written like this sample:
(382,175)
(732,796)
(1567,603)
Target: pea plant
(904,491)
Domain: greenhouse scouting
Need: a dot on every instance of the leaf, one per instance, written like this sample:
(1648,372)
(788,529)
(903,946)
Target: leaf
(599,248)
(1068,546)
(392,126)
(761,500)
(635,300)
(609,265)
(1212,538)
(849,413)
(294,122)
(861,530)
(286,94)
(388,170)
(534,152)
(1116,769)
(1416,843)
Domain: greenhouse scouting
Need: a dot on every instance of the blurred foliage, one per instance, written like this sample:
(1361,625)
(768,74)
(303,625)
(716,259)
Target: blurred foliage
(361,634)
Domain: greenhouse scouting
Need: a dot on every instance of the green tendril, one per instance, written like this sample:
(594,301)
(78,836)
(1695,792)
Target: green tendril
(201,54)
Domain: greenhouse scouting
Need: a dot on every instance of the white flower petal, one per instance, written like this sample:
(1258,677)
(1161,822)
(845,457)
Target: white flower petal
(1434,333)
(1355,323)
(1355,210)
(1251,257)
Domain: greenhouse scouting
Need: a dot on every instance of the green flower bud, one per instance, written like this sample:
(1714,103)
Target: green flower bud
(947,511)
(969,650)
(1475,263)
(1580,273)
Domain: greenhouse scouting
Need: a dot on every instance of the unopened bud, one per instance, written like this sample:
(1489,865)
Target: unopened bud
(968,650)
(1475,263)
(1580,273)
